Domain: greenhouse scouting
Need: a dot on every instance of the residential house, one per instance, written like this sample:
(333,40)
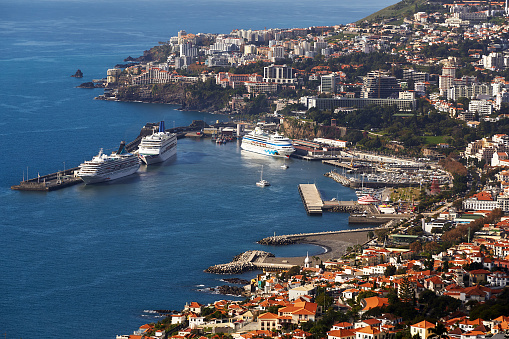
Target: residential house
(423,329)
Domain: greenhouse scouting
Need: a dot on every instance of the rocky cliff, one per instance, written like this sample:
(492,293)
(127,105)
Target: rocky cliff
(298,129)
(187,95)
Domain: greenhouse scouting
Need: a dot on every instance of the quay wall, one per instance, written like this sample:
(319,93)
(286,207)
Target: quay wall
(376,218)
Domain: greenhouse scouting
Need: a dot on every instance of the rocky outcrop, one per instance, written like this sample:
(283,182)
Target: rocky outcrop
(236,281)
(230,290)
(78,74)
(87,85)
(179,93)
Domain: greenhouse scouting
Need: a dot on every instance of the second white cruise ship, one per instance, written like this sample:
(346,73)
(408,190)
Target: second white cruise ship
(158,147)
(269,144)
(105,167)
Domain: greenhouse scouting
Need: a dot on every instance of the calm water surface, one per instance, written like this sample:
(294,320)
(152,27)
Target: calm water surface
(84,262)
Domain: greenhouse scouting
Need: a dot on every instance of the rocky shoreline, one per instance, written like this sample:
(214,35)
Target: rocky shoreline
(236,281)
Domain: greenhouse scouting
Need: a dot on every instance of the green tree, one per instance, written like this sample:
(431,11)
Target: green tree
(406,290)
(390,271)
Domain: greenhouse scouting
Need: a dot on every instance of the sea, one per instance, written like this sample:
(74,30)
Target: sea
(92,261)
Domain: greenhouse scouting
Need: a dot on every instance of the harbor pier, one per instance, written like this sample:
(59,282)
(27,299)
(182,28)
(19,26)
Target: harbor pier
(49,182)
(311,198)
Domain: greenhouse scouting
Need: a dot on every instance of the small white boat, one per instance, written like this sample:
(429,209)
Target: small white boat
(284,165)
(262,182)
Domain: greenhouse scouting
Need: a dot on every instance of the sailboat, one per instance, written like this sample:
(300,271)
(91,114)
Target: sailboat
(262,183)
(284,165)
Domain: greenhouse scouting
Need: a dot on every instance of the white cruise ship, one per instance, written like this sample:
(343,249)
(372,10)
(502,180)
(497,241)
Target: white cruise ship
(269,144)
(158,147)
(104,167)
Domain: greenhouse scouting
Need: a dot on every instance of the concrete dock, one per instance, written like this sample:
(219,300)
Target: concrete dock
(49,182)
(311,198)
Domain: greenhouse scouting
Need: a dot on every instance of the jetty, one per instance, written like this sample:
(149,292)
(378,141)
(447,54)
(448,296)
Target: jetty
(49,182)
(311,198)
(247,261)
(345,181)
(301,237)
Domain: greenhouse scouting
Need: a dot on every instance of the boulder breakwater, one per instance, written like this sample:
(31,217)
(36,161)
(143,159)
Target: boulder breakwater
(241,263)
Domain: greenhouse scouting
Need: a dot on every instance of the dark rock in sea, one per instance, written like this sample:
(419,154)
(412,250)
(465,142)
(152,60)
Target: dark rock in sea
(230,290)
(78,74)
(236,281)
(87,85)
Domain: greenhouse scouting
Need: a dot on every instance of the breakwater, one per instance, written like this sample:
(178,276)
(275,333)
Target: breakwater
(49,182)
(241,263)
(345,181)
(301,237)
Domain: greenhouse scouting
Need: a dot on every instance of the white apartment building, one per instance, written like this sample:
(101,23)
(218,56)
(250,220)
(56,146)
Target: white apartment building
(483,107)
(483,201)
(280,74)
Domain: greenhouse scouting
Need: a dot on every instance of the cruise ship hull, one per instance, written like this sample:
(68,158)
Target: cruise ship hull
(94,179)
(273,145)
(264,151)
(150,159)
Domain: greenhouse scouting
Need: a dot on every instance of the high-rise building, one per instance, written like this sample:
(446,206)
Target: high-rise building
(329,83)
(278,52)
(379,85)
(187,50)
(280,74)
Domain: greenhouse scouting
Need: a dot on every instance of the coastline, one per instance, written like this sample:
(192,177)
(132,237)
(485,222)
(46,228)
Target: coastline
(335,246)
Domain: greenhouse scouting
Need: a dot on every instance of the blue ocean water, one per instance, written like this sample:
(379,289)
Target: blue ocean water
(87,260)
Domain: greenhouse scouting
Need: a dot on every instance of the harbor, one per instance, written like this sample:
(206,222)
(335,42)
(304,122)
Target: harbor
(67,177)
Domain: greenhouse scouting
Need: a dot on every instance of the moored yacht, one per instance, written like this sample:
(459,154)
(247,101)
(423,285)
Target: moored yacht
(262,182)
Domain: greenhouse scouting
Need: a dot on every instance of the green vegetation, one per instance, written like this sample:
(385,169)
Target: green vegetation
(435,140)
(406,194)
(492,309)
(399,10)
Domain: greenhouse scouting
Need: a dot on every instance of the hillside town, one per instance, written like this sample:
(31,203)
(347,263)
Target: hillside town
(450,52)
(378,292)
(427,82)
